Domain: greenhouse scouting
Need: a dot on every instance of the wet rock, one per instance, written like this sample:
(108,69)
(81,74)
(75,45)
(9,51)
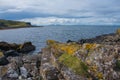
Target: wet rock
(4,46)
(26,47)
(12,53)
(3,61)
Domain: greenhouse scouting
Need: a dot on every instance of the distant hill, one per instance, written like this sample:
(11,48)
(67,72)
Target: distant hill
(6,24)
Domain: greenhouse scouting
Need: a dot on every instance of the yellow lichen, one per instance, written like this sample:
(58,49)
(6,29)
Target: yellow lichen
(100,75)
(93,68)
(69,48)
(3,70)
(50,42)
(1,54)
(118,31)
(90,46)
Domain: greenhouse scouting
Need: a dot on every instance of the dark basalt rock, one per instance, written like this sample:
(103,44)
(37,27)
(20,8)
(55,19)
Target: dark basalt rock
(26,47)
(11,53)
(4,46)
(3,61)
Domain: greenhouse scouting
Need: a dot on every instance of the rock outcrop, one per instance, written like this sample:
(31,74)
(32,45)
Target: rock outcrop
(89,59)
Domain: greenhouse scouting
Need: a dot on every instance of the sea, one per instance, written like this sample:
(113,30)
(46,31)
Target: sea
(61,33)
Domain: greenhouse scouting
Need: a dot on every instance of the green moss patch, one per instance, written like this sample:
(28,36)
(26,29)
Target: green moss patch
(74,63)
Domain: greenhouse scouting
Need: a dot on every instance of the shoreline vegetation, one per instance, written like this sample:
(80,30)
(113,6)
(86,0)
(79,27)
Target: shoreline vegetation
(9,24)
(87,59)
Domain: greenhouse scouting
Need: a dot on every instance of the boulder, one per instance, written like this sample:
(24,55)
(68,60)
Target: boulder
(3,61)
(12,53)
(26,47)
(4,46)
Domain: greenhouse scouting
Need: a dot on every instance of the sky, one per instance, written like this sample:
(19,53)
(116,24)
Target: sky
(62,12)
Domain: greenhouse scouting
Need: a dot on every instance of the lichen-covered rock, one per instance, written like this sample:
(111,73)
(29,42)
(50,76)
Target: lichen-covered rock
(118,31)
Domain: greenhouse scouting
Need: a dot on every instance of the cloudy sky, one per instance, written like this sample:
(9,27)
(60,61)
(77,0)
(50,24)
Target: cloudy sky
(69,12)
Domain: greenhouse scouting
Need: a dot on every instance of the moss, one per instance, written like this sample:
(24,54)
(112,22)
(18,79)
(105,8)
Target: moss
(74,63)
(118,64)
(118,31)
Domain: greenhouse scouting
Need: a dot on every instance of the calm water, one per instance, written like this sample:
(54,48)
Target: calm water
(39,35)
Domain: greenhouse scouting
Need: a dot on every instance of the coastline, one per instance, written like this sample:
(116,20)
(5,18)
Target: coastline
(19,27)
(83,60)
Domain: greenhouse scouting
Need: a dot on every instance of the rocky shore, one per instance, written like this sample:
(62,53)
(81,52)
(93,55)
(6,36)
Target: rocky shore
(88,59)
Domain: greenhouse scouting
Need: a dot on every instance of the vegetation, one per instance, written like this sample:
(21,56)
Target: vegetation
(1,54)
(118,31)
(74,63)
(118,64)
(13,24)
(69,48)
(89,46)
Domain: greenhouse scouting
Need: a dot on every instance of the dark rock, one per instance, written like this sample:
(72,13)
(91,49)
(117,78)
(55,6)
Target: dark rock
(4,46)
(3,61)
(26,47)
(69,41)
(14,46)
(11,53)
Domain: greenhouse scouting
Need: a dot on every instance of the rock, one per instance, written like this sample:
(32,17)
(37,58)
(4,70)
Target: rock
(12,73)
(3,61)
(26,47)
(14,46)
(69,41)
(4,46)
(11,53)
(3,70)
(24,72)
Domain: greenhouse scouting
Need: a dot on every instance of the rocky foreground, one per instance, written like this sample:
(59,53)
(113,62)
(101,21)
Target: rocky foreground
(88,59)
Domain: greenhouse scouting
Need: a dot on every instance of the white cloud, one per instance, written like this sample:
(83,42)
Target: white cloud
(99,11)
(70,21)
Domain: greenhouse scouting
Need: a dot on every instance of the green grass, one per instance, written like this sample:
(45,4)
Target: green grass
(74,63)
(13,24)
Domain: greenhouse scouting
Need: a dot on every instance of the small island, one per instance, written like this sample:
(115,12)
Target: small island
(9,24)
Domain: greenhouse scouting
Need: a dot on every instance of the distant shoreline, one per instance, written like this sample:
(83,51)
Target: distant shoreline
(7,28)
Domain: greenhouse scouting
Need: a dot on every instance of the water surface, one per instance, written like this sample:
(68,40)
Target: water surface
(39,35)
